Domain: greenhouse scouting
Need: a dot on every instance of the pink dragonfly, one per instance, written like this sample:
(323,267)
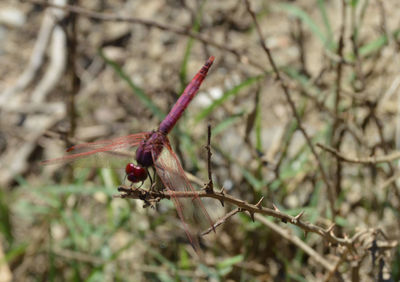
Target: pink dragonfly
(154,150)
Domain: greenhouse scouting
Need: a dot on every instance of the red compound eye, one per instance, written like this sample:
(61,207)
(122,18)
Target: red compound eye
(129,168)
(132,178)
(135,173)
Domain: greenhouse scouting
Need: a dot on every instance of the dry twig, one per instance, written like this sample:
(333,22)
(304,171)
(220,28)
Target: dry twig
(365,160)
(337,132)
(295,240)
(210,185)
(221,221)
(293,107)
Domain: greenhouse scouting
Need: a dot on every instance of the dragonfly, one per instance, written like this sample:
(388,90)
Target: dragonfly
(154,151)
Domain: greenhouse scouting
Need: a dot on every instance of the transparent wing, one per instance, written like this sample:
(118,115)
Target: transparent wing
(104,153)
(191,211)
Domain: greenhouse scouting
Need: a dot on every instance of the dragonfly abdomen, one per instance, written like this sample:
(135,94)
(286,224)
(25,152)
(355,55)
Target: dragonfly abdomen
(190,91)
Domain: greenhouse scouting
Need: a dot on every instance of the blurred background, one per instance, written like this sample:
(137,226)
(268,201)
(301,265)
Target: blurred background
(101,69)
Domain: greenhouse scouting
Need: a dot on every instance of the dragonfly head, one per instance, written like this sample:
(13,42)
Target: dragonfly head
(135,173)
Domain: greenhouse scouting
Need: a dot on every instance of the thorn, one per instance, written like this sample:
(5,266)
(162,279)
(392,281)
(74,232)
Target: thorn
(297,217)
(275,207)
(258,205)
(222,202)
(251,215)
(222,190)
(305,234)
(209,188)
(330,228)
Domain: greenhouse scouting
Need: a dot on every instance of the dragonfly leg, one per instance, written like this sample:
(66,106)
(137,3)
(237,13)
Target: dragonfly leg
(154,174)
(125,180)
(141,184)
(131,184)
(152,179)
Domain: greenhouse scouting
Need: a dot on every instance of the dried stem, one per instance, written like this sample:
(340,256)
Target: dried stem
(221,221)
(335,267)
(293,107)
(336,135)
(210,185)
(297,241)
(72,42)
(365,160)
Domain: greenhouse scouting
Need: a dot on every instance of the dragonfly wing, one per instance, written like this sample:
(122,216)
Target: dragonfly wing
(103,153)
(191,211)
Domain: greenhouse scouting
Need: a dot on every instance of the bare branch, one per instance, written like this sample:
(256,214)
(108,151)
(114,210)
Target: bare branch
(297,241)
(221,221)
(210,185)
(366,160)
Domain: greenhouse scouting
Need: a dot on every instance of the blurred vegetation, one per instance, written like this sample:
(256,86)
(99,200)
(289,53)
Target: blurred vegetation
(61,223)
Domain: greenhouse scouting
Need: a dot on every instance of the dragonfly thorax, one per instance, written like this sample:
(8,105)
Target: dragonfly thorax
(149,147)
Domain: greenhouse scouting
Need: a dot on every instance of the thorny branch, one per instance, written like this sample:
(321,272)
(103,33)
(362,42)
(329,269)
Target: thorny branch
(150,197)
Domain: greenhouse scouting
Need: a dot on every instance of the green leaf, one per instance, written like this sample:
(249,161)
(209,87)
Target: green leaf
(189,45)
(5,218)
(325,19)
(341,221)
(306,19)
(226,123)
(224,271)
(275,185)
(184,261)
(231,92)
(109,177)
(230,261)
(254,182)
(136,89)
(373,46)
(377,44)
(14,253)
